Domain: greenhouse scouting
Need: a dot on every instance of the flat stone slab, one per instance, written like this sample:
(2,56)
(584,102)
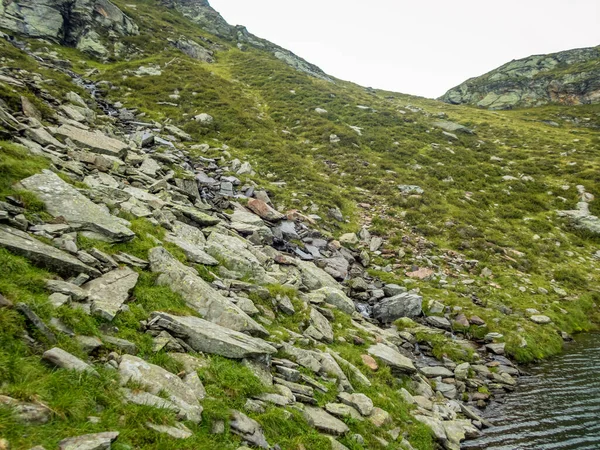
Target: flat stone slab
(156,380)
(323,421)
(41,254)
(199,295)
(94,141)
(208,337)
(436,371)
(393,358)
(60,358)
(62,199)
(98,441)
(110,291)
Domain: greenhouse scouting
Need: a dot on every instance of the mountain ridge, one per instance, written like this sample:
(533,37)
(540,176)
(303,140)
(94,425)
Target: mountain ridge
(568,77)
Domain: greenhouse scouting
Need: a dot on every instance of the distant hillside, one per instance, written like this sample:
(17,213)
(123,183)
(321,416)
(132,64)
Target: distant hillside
(571,77)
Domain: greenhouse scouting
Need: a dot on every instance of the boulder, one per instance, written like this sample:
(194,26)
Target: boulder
(198,294)
(96,142)
(248,429)
(27,413)
(97,441)
(320,328)
(59,358)
(323,421)
(109,292)
(156,380)
(63,200)
(392,358)
(41,254)
(360,402)
(314,278)
(401,305)
(208,337)
(335,296)
(264,211)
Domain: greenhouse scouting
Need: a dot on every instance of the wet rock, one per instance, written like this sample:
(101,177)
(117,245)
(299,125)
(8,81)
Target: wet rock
(207,337)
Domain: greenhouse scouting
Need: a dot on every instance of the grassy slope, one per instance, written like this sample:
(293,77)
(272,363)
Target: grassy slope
(249,94)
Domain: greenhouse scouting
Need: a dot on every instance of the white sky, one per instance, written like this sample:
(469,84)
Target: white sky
(420,47)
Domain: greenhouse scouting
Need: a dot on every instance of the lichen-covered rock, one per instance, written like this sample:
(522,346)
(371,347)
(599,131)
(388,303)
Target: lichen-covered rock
(62,199)
(72,23)
(198,294)
(533,81)
(207,337)
(109,292)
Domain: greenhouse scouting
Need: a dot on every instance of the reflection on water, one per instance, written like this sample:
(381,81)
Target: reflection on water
(558,407)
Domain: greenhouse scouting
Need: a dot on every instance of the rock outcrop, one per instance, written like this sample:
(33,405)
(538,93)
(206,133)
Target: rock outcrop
(200,12)
(76,23)
(571,77)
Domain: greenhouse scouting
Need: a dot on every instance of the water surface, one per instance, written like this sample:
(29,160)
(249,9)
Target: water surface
(556,408)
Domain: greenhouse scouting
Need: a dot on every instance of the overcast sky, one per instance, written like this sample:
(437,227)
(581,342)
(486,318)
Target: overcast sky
(420,47)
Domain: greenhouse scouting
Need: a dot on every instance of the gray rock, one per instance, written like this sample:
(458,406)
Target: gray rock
(207,337)
(41,254)
(96,142)
(248,429)
(143,398)
(59,358)
(34,320)
(392,358)
(314,278)
(62,199)
(336,297)
(121,344)
(320,329)
(109,292)
(199,295)
(401,305)
(540,319)
(391,290)
(436,371)
(342,410)
(361,402)
(27,413)
(98,441)
(156,380)
(323,421)
(439,322)
(192,252)
(179,431)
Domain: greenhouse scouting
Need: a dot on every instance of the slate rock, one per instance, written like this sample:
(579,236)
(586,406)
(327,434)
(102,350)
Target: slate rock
(401,305)
(156,380)
(60,358)
(41,254)
(97,441)
(63,200)
(199,295)
(208,337)
(323,421)
(392,358)
(109,292)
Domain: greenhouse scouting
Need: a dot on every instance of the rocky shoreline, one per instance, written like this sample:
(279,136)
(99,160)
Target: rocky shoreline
(104,166)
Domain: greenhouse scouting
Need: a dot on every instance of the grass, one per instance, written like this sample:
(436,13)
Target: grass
(509,227)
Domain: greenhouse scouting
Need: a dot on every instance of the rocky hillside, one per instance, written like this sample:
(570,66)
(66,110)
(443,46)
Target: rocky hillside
(568,78)
(204,245)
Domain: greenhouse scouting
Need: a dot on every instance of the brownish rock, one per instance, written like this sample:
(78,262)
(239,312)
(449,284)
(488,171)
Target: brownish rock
(264,211)
(370,362)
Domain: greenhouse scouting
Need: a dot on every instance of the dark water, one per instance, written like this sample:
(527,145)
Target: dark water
(558,407)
